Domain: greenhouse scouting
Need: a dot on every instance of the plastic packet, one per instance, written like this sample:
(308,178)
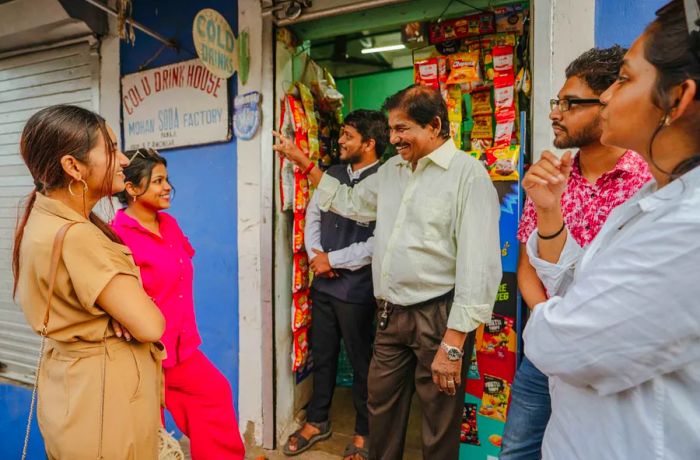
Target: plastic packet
(503,162)
(494,402)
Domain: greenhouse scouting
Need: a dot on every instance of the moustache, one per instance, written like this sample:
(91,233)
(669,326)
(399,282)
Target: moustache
(557,125)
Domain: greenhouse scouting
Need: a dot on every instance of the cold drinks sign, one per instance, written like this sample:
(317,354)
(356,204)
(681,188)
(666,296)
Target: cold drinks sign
(173,106)
(215,42)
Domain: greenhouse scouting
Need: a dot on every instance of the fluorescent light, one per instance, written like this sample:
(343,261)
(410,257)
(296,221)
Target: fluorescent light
(381,49)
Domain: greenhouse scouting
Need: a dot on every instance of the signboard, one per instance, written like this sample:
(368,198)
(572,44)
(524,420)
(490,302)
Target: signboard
(215,43)
(173,106)
(246,115)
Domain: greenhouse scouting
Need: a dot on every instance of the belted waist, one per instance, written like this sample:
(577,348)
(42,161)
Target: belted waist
(82,349)
(449,295)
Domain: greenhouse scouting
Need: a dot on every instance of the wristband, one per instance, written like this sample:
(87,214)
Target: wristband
(308,169)
(551,237)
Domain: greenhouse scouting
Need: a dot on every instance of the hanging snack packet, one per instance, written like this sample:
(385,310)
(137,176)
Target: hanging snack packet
(464,68)
(300,348)
(481,102)
(469,434)
(426,73)
(298,232)
(481,144)
(301,310)
(456,133)
(286,166)
(503,162)
(499,336)
(503,95)
(503,59)
(307,101)
(454,103)
(494,403)
(483,127)
(503,133)
(301,191)
(300,272)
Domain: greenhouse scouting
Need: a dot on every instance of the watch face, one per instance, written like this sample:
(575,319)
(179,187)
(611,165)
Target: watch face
(453,354)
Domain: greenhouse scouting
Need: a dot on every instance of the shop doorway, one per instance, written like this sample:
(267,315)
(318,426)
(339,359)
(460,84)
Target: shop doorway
(366,56)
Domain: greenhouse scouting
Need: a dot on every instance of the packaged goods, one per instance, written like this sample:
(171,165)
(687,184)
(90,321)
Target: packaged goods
(300,272)
(481,144)
(476,24)
(483,127)
(503,95)
(499,336)
(481,102)
(469,433)
(301,191)
(494,403)
(504,133)
(425,73)
(503,59)
(307,101)
(301,310)
(496,440)
(456,133)
(503,162)
(464,68)
(300,348)
(454,103)
(298,232)
(286,167)
(473,372)
(510,18)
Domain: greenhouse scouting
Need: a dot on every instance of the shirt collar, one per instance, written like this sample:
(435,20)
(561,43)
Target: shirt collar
(122,219)
(57,208)
(441,156)
(668,195)
(630,162)
(358,173)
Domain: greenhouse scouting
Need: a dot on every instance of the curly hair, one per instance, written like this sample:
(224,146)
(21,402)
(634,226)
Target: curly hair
(598,67)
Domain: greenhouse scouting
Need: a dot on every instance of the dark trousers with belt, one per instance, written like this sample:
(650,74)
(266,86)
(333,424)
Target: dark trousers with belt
(403,354)
(331,320)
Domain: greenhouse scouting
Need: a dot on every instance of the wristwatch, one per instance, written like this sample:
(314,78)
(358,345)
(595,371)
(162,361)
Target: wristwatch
(453,353)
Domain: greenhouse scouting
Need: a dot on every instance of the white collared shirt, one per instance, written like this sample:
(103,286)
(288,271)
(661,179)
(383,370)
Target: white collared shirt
(437,229)
(620,339)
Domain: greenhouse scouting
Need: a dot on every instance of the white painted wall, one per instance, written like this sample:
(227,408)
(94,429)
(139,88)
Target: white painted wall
(109,97)
(255,175)
(562,30)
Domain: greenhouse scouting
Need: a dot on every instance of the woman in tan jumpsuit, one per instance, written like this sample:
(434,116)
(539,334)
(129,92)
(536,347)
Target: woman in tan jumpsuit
(98,393)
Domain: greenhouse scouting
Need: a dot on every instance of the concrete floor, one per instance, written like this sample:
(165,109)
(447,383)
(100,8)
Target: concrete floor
(343,422)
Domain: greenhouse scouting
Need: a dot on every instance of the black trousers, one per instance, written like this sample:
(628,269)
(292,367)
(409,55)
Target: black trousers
(333,319)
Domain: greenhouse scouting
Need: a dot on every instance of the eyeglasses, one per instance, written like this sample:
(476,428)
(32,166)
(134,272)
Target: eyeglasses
(564,105)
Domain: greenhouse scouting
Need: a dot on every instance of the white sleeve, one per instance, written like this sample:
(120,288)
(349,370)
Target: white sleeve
(632,314)
(353,257)
(556,278)
(312,228)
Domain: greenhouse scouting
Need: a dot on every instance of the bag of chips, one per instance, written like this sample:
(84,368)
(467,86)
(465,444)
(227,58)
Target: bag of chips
(301,310)
(503,162)
(426,73)
(300,272)
(300,348)
(469,433)
(456,133)
(454,103)
(301,191)
(307,101)
(481,144)
(511,18)
(286,166)
(481,102)
(494,402)
(298,232)
(464,69)
(499,336)
(483,127)
(503,59)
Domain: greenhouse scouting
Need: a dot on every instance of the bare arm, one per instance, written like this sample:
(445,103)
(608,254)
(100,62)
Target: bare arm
(126,301)
(530,286)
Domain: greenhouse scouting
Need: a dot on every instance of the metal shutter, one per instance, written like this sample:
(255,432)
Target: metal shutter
(29,82)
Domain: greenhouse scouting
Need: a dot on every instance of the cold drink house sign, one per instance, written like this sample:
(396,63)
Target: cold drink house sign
(173,106)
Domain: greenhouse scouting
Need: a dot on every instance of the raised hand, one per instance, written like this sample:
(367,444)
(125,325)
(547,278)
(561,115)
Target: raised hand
(546,180)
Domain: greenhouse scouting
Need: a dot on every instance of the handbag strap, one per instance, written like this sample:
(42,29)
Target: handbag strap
(55,258)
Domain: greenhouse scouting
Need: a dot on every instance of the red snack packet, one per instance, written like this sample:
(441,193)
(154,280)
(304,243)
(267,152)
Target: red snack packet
(499,336)
(298,232)
(300,272)
(426,73)
(300,348)
(301,191)
(301,310)
(503,59)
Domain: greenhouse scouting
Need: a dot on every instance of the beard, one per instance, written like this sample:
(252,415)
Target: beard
(587,135)
(352,157)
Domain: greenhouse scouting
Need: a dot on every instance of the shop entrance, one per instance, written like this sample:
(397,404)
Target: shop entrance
(476,54)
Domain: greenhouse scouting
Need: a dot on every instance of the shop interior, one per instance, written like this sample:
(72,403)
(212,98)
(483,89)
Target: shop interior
(477,54)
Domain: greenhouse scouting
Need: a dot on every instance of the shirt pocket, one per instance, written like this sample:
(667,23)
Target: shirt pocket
(434,218)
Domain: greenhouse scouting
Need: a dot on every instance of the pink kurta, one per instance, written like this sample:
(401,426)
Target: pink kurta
(167,273)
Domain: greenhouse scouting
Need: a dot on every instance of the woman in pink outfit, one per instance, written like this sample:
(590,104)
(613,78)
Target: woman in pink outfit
(196,393)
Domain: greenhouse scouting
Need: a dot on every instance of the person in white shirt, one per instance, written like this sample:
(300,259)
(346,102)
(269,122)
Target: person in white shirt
(620,336)
(342,297)
(436,269)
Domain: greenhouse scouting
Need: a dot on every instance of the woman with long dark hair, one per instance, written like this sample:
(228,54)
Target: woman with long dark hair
(98,393)
(196,393)
(620,336)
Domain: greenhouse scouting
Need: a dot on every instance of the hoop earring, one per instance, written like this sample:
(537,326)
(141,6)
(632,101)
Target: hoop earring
(85,187)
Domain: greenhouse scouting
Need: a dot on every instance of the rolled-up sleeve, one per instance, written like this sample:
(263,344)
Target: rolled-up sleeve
(629,316)
(358,203)
(478,265)
(557,277)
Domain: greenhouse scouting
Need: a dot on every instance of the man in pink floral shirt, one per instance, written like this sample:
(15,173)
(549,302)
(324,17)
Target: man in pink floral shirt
(602,178)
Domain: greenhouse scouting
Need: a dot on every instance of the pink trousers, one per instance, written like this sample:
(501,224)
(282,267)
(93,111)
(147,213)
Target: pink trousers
(199,398)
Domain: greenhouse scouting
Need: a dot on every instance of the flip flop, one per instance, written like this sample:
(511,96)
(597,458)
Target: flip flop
(304,444)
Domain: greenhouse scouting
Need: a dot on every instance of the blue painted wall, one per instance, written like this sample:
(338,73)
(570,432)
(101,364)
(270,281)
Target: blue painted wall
(621,21)
(206,188)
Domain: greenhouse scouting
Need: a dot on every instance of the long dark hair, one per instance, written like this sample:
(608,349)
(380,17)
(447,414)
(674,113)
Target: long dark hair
(674,52)
(50,134)
(140,170)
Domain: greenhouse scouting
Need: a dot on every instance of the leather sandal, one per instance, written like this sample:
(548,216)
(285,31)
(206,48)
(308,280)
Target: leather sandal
(351,450)
(304,444)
